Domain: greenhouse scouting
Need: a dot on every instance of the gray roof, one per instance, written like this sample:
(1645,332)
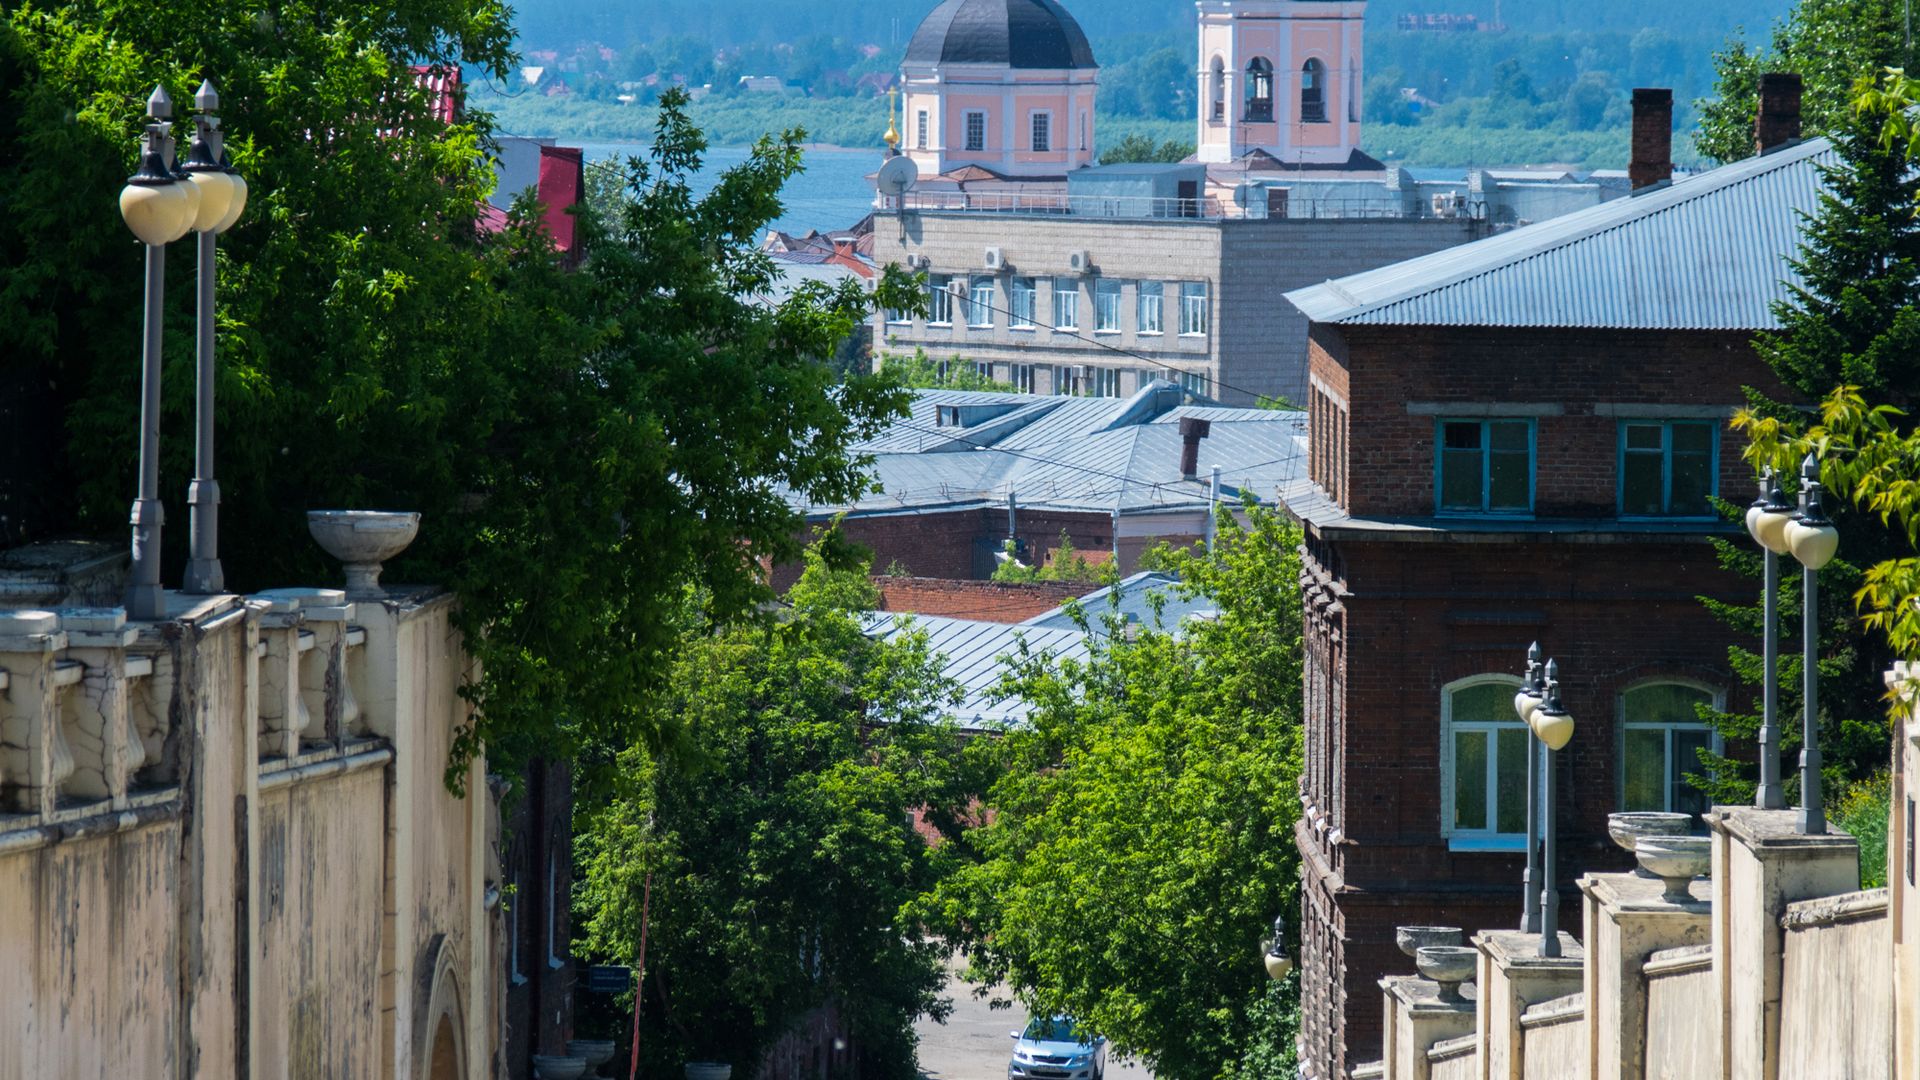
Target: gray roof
(1088,455)
(971,655)
(1709,252)
(1132,600)
(1018,33)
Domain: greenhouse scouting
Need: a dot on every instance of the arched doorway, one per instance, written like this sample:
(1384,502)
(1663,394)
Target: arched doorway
(444,1062)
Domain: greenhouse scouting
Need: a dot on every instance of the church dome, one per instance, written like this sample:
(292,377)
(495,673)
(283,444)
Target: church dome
(1017,33)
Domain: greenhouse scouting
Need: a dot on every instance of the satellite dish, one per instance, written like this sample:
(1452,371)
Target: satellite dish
(897,177)
(1242,195)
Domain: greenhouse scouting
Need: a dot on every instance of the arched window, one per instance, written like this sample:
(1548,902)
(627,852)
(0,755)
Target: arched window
(1661,736)
(1259,90)
(1483,763)
(1217,90)
(1313,92)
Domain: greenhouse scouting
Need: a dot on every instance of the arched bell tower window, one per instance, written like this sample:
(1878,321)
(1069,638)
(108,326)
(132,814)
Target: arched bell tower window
(1259,90)
(1313,92)
(1217,90)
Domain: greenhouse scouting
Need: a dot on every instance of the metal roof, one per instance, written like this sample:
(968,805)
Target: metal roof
(1709,252)
(971,654)
(1132,600)
(1017,33)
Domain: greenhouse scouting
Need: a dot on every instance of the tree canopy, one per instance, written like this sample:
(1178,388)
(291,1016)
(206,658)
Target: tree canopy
(1139,836)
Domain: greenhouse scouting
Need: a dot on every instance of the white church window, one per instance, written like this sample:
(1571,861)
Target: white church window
(1042,131)
(1259,90)
(976,131)
(921,132)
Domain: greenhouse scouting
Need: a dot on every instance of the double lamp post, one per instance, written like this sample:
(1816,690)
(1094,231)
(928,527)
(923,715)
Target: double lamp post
(162,202)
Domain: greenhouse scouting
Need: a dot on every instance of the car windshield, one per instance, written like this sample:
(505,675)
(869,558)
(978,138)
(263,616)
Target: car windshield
(1058,1029)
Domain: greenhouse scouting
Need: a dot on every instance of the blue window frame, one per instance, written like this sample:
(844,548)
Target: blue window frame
(1667,468)
(1483,467)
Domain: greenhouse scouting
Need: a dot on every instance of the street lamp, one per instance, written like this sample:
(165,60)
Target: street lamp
(1525,702)
(223,195)
(159,209)
(1554,726)
(1813,541)
(1279,964)
(1767,520)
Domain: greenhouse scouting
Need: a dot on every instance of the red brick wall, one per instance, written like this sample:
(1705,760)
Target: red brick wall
(1390,451)
(958,544)
(985,601)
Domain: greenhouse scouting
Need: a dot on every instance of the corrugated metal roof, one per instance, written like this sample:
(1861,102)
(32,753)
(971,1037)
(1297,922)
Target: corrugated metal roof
(1216,414)
(1709,252)
(972,655)
(1132,600)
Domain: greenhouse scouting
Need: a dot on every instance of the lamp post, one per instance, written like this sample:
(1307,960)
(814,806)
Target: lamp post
(1554,726)
(1279,964)
(1767,520)
(223,195)
(159,209)
(1813,541)
(1524,703)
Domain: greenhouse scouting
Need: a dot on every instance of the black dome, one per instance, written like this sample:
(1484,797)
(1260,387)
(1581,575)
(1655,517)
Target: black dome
(1018,33)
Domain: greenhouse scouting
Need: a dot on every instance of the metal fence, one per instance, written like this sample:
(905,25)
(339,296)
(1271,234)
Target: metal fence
(1267,204)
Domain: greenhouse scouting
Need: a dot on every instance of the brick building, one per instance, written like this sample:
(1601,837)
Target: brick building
(1516,441)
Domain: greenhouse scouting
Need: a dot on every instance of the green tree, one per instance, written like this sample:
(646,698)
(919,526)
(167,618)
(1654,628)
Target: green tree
(921,372)
(1139,840)
(1140,148)
(1831,44)
(779,838)
(584,443)
(1064,564)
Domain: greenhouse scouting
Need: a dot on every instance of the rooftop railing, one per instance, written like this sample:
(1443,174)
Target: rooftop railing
(1054,204)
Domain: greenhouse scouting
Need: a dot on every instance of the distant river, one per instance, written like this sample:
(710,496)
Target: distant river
(832,192)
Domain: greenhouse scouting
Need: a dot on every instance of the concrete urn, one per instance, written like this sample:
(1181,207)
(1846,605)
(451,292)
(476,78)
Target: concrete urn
(708,1070)
(597,1052)
(1676,860)
(363,539)
(1412,939)
(1627,828)
(1448,965)
(546,1067)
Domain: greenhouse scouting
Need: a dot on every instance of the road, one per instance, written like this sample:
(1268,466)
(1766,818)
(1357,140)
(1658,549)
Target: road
(973,1044)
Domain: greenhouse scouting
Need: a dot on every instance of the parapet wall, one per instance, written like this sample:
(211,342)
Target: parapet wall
(225,846)
(1804,977)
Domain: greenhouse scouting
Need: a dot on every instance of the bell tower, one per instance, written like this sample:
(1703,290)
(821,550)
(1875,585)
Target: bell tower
(1282,77)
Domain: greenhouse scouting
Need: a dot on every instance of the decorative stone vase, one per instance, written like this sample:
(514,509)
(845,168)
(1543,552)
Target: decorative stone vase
(1448,965)
(363,539)
(597,1052)
(708,1070)
(1628,827)
(1412,939)
(546,1067)
(1676,860)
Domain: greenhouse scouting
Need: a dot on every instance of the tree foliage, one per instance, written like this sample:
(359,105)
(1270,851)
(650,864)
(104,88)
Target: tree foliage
(584,443)
(1831,44)
(1139,148)
(921,372)
(780,839)
(1139,841)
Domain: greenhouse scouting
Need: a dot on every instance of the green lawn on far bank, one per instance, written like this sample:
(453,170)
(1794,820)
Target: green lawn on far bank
(859,122)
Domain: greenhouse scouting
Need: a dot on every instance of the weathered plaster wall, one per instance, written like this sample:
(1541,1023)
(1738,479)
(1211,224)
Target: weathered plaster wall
(1836,988)
(1683,1025)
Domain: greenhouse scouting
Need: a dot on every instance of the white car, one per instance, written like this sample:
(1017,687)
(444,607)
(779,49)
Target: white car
(1056,1049)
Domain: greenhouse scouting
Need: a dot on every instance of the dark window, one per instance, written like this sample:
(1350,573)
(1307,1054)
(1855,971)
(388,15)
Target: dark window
(1485,466)
(1259,90)
(1217,91)
(976,131)
(1662,736)
(1042,131)
(1313,92)
(1667,468)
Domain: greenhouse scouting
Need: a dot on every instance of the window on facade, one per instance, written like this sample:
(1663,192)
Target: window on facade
(1661,739)
(1313,92)
(1485,466)
(1106,305)
(1259,90)
(1103,382)
(1150,321)
(1217,90)
(1021,293)
(1066,304)
(1021,376)
(980,302)
(1065,380)
(1196,383)
(939,300)
(1042,131)
(1666,468)
(976,131)
(983,369)
(1484,764)
(920,129)
(1193,307)
(895,315)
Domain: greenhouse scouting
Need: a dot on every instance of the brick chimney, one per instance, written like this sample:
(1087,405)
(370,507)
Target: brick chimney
(1779,120)
(1652,137)
(1192,430)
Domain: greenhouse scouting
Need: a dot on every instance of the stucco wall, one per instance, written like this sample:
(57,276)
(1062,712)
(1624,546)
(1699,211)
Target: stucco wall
(1555,1037)
(1836,988)
(1455,1059)
(1683,1023)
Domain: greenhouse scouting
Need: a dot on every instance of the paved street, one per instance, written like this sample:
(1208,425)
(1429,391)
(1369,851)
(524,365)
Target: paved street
(973,1043)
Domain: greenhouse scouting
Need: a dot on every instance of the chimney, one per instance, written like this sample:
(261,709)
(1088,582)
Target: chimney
(1652,138)
(1778,123)
(1192,430)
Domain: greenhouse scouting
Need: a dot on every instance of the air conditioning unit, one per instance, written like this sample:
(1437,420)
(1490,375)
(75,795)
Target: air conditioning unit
(1080,262)
(918,262)
(1449,204)
(995,260)
(958,288)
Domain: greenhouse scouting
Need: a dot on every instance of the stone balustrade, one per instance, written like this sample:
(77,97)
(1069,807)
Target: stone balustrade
(1774,965)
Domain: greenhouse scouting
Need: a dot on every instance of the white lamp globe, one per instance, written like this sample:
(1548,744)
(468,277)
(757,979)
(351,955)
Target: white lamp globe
(1769,526)
(192,196)
(1814,543)
(216,190)
(157,213)
(236,204)
(1555,728)
(1524,703)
